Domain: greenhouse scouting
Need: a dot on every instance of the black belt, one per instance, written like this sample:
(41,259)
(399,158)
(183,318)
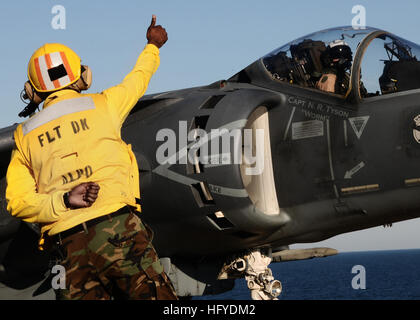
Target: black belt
(86,225)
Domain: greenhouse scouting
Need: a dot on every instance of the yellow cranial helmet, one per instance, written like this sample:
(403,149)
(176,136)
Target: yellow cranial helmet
(53,67)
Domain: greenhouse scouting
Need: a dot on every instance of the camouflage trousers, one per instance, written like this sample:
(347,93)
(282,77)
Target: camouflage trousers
(115,259)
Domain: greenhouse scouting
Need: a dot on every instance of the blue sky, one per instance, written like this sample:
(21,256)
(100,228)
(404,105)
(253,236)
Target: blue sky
(208,41)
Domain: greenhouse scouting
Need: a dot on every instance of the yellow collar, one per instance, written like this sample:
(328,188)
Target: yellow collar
(58,96)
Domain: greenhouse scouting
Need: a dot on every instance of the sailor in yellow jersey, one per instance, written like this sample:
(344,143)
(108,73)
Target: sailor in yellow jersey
(72,173)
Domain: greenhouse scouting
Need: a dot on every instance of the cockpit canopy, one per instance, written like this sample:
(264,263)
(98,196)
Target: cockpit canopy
(390,64)
(326,60)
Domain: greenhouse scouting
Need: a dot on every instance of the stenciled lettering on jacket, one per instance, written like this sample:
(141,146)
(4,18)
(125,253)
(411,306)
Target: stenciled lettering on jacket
(55,133)
(77,174)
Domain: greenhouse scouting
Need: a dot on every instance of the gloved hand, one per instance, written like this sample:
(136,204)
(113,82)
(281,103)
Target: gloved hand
(156,34)
(83,195)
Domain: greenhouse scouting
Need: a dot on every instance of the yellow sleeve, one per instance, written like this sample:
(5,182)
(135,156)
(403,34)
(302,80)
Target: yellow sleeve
(23,200)
(123,97)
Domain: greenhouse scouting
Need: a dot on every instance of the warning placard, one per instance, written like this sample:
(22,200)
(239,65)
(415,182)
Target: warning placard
(358,124)
(307,129)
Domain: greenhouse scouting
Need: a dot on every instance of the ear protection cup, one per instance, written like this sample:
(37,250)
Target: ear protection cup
(31,93)
(85,80)
(86,77)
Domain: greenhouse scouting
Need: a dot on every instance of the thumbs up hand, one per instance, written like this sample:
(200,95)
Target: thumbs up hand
(156,34)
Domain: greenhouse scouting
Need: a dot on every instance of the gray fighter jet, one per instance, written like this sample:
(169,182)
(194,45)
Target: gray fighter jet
(317,138)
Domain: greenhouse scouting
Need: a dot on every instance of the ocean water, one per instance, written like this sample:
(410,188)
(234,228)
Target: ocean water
(389,275)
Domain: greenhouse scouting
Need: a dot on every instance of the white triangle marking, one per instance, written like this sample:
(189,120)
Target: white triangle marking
(358,124)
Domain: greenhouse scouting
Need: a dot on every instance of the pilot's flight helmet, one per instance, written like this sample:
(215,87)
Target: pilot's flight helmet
(339,54)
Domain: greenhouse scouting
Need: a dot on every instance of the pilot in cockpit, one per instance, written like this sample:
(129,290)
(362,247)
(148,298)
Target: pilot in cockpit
(336,60)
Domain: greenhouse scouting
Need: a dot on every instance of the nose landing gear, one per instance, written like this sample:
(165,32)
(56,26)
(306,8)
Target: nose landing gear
(254,267)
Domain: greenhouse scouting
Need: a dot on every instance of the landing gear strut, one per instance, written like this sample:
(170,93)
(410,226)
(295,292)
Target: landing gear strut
(254,267)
